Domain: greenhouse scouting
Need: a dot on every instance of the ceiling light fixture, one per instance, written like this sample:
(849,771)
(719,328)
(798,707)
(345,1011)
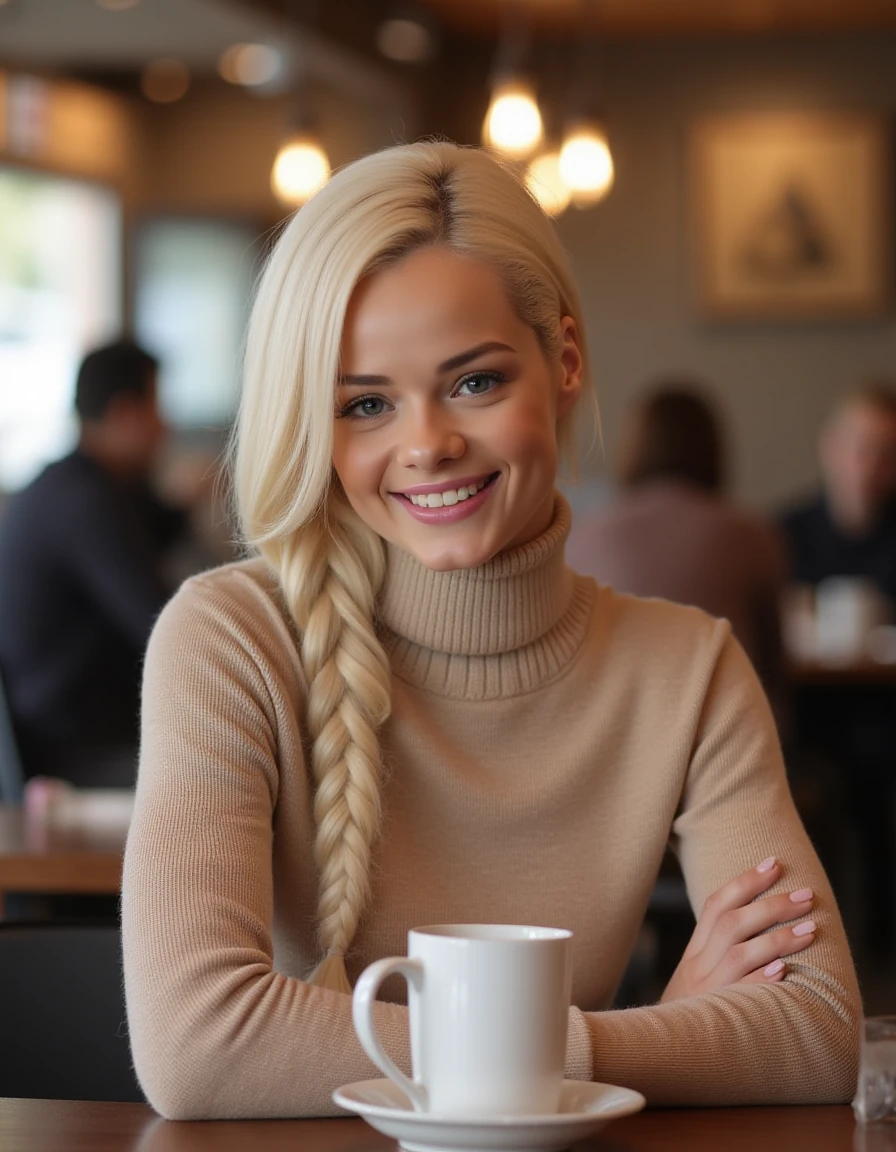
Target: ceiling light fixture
(406,39)
(251,65)
(586,163)
(546,185)
(513,122)
(301,167)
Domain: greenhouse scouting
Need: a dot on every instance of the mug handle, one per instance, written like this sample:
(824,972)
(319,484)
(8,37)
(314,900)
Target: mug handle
(362,1013)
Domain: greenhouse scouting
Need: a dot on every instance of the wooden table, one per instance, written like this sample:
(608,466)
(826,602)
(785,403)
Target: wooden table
(848,674)
(73,1126)
(38,856)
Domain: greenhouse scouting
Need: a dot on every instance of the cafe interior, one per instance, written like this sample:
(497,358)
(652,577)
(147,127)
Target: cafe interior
(720,173)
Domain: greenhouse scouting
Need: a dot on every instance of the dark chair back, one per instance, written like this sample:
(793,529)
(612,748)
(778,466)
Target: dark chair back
(63,1028)
(12,777)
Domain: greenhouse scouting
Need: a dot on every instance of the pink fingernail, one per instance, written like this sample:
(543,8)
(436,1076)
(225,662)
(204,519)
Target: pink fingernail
(801,895)
(766,865)
(774,968)
(805,928)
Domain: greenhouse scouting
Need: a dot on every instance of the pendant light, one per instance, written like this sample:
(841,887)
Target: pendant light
(513,124)
(546,184)
(586,163)
(301,167)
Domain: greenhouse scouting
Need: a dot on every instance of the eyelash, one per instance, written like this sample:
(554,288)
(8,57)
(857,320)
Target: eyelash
(485,374)
(353,407)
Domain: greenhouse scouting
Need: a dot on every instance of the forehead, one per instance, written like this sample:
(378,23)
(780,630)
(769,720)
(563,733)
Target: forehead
(433,296)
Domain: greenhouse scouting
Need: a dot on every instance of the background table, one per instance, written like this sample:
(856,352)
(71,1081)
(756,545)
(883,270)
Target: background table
(850,673)
(38,856)
(67,1126)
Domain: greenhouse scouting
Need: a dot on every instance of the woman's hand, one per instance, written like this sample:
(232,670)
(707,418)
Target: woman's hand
(730,944)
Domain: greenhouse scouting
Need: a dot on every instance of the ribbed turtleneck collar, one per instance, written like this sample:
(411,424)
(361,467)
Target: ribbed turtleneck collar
(463,631)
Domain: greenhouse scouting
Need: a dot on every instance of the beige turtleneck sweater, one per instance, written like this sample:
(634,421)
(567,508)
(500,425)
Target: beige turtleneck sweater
(548,739)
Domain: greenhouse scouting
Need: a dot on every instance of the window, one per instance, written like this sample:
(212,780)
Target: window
(60,294)
(193,285)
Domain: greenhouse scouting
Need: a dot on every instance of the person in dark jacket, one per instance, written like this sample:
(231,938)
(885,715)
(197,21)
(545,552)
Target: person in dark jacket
(81,580)
(848,529)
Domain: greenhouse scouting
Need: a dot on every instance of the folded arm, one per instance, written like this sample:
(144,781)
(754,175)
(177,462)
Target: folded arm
(792,1041)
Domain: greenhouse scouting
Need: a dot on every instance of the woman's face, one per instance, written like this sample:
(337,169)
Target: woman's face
(446,411)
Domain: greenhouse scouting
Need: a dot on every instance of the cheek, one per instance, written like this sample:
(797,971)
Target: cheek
(356,463)
(533,436)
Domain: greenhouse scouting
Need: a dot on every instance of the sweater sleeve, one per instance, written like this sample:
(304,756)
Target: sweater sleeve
(795,1042)
(215,1030)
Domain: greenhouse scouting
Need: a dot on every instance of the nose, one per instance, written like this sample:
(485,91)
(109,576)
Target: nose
(428,437)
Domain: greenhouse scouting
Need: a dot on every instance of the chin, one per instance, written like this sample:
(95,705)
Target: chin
(452,561)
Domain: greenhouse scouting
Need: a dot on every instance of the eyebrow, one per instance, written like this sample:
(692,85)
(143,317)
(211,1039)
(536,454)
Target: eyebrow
(449,365)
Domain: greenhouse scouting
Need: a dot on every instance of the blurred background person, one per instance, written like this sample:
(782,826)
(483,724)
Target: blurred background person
(671,533)
(849,527)
(81,579)
(848,530)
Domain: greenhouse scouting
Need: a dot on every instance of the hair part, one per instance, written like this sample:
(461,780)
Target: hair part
(121,368)
(330,565)
(673,433)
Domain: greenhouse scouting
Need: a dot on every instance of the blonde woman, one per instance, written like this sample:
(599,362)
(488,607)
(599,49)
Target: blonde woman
(405,708)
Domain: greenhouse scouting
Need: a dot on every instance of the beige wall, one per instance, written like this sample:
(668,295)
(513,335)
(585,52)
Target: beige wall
(213,151)
(774,380)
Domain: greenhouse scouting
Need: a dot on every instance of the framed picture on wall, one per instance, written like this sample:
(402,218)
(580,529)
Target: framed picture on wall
(791,215)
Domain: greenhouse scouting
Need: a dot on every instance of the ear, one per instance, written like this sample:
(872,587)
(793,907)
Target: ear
(572,367)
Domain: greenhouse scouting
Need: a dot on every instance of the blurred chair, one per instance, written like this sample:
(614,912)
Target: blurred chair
(12,776)
(64,1027)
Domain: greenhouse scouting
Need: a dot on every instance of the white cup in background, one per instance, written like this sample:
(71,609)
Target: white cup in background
(489,1007)
(847,610)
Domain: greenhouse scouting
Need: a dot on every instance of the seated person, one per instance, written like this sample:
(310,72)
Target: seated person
(406,709)
(671,532)
(80,579)
(848,529)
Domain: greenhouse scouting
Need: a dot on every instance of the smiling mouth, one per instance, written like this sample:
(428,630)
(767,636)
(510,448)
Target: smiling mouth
(450,496)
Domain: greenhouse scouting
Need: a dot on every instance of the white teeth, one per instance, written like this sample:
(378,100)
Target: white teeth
(448,498)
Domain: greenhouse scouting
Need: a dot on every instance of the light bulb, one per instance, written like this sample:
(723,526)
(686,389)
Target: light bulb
(545,183)
(301,167)
(513,121)
(586,164)
(252,65)
(405,40)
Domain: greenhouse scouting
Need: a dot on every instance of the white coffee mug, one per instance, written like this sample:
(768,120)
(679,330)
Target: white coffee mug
(489,1007)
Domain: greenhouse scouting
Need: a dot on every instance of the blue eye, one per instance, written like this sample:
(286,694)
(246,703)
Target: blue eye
(363,408)
(479,383)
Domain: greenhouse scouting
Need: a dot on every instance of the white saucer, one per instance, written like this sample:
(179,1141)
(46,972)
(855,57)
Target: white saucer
(584,1108)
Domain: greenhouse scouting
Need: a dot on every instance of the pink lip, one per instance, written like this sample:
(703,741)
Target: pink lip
(445,486)
(446,515)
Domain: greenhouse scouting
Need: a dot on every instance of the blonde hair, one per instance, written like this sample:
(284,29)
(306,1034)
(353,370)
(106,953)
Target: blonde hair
(329,564)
